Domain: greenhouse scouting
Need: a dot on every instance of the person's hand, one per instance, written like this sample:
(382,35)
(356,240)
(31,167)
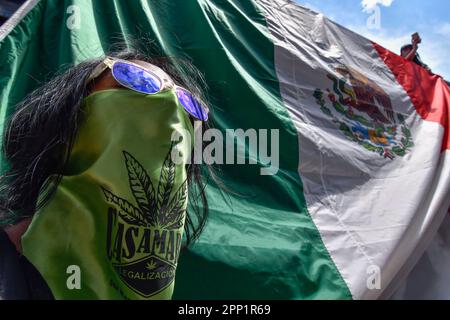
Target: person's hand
(416,40)
(15,232)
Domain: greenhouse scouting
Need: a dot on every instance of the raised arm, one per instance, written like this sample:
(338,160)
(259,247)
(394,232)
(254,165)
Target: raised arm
(411,53)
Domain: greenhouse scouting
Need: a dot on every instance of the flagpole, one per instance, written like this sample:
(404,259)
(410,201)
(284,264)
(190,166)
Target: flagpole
(14,20)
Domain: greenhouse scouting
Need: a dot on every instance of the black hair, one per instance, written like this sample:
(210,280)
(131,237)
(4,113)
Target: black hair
(41,131)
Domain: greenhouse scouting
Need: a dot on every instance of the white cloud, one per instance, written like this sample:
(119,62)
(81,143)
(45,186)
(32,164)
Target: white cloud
(443,30)
(389,41)
(369,5)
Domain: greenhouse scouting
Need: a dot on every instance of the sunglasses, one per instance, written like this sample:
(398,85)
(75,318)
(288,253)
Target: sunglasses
(150,80)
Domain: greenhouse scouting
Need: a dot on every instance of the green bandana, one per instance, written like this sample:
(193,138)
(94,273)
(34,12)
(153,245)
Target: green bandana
(116,220)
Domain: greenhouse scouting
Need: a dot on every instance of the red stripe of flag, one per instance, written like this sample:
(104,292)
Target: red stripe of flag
(429,93)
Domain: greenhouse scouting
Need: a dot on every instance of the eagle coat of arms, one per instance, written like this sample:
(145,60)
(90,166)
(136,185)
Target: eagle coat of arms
(364,114)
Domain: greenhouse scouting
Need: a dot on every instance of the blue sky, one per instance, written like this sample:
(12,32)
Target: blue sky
(399,19)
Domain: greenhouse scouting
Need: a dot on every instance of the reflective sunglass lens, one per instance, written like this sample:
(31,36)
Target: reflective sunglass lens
(135,78)
(192,105)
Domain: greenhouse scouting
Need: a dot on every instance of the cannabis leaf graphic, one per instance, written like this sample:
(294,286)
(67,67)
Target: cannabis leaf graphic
(165,184)
(150,265)
(141,186)
(127,211)
(156,209)
(174,218)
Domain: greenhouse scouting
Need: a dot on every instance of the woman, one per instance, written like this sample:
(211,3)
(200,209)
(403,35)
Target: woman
(93,197)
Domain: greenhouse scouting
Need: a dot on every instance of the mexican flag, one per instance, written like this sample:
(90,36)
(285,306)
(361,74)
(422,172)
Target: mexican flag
(363,186)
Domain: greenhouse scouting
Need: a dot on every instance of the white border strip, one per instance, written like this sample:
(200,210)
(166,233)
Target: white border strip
(14,20)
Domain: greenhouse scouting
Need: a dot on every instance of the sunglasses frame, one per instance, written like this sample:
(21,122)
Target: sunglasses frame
(166,81)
